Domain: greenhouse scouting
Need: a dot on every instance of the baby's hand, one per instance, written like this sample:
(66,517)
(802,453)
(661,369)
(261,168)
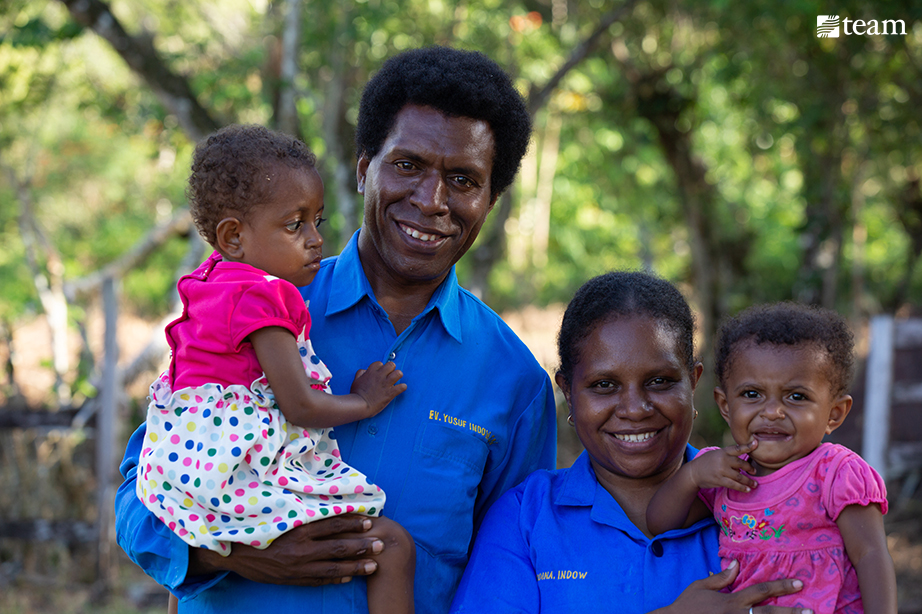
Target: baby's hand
(377,385)
(721,468)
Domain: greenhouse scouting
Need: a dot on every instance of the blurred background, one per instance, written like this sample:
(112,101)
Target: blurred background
(723,145)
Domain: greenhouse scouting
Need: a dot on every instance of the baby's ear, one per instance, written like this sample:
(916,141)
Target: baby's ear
(838,413)
(721,398)
(227,237)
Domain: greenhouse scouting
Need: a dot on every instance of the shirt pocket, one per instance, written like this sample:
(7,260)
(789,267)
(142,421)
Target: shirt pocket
(437,502)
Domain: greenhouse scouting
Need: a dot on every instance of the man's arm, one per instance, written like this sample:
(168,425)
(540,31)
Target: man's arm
(532,446)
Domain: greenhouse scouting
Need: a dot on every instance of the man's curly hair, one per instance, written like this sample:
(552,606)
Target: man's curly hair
(230,170)
(457,83)
(790,324)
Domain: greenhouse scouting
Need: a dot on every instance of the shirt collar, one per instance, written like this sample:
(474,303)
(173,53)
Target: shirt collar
(579,485)
(349,286)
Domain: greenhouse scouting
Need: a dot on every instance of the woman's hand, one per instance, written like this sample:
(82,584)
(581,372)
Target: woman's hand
(703,596)
(328,551)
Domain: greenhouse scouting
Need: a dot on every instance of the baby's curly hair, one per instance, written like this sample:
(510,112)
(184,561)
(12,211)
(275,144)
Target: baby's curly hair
(622,294)
(229,171)
(457,83)
(791,324)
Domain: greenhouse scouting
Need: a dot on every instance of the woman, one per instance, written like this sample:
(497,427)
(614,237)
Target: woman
(576,540)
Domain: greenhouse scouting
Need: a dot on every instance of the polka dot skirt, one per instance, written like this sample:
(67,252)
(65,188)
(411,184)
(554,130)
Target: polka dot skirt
(221,464)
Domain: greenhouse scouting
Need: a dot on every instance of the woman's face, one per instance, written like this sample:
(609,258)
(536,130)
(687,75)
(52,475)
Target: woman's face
(630,396)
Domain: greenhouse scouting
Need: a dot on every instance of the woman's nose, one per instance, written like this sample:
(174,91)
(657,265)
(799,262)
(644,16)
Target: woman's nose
(634,406)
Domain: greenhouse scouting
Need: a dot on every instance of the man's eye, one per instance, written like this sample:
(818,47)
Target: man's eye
(466,182)
(404,165)
(293,226)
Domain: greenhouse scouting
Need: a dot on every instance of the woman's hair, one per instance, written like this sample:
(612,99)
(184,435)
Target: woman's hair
(457,83)
(230,171)
(790,324)
(622,294)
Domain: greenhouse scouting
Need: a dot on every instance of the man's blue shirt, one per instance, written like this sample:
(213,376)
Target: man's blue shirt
(559,542)
(477,417)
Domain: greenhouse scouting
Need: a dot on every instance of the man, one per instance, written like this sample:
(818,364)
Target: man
(440,135)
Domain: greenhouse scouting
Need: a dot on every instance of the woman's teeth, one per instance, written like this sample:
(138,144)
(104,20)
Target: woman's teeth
(636,438)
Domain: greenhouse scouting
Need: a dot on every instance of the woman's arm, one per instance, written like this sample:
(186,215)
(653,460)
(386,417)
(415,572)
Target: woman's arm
(704,596)
(676,503)
(862,529)
(278,357)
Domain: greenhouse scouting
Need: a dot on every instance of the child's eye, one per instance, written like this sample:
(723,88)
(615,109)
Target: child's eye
(750,394)
(320,220)
(293,226)
(798,396)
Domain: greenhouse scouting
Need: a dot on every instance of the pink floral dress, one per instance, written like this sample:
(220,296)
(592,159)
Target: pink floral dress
(786,528)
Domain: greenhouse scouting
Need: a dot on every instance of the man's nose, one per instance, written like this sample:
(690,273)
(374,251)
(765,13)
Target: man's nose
(430,195)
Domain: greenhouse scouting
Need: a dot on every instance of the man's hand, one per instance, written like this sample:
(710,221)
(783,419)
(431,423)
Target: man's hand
(328,551)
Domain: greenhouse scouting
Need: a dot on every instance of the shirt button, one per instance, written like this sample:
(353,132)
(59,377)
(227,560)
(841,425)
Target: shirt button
(392,356)
(657,549)
(372,430)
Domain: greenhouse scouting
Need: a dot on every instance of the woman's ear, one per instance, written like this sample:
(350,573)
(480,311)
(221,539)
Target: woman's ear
(564,386)
(227,237)
(697,370)
(839,412)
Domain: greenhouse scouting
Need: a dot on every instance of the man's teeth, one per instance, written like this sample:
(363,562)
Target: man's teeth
(637,438)
(418,235)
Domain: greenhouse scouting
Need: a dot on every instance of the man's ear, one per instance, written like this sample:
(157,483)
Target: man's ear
(839,412)
(361,169)
(227,237)
(493,202)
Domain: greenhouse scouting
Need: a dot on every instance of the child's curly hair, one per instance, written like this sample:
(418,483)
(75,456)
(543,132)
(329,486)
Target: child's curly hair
(790,324)
(230,170)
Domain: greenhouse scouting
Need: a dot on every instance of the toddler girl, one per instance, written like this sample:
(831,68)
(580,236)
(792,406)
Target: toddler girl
(788,505)
(239,446)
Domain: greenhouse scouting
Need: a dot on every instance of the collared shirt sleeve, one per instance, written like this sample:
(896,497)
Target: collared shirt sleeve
(147,541)
(500,577)
(532,446)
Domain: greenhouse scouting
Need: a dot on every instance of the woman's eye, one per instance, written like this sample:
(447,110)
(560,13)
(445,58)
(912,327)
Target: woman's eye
(293,226)
(604,385)
(658,381)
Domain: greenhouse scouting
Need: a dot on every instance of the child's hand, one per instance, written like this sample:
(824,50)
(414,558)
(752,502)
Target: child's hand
(721,468)
(377,385)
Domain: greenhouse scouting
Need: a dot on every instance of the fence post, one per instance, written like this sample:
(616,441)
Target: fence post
(106,432)
(879,385)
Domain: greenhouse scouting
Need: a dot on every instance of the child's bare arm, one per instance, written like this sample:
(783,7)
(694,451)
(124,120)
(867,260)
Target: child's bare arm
(676,503)
(862,529)
(277,353)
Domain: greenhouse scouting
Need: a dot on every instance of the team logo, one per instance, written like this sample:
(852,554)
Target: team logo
(827,26)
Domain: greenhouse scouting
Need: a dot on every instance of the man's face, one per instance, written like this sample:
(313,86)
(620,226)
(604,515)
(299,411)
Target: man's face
(427,193)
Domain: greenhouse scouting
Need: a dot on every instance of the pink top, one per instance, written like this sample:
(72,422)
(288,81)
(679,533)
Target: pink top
(223,302)
(786,527)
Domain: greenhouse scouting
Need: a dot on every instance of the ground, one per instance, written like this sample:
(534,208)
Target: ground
(75,591)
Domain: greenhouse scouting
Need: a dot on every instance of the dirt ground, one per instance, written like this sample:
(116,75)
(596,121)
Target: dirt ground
(23,593)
